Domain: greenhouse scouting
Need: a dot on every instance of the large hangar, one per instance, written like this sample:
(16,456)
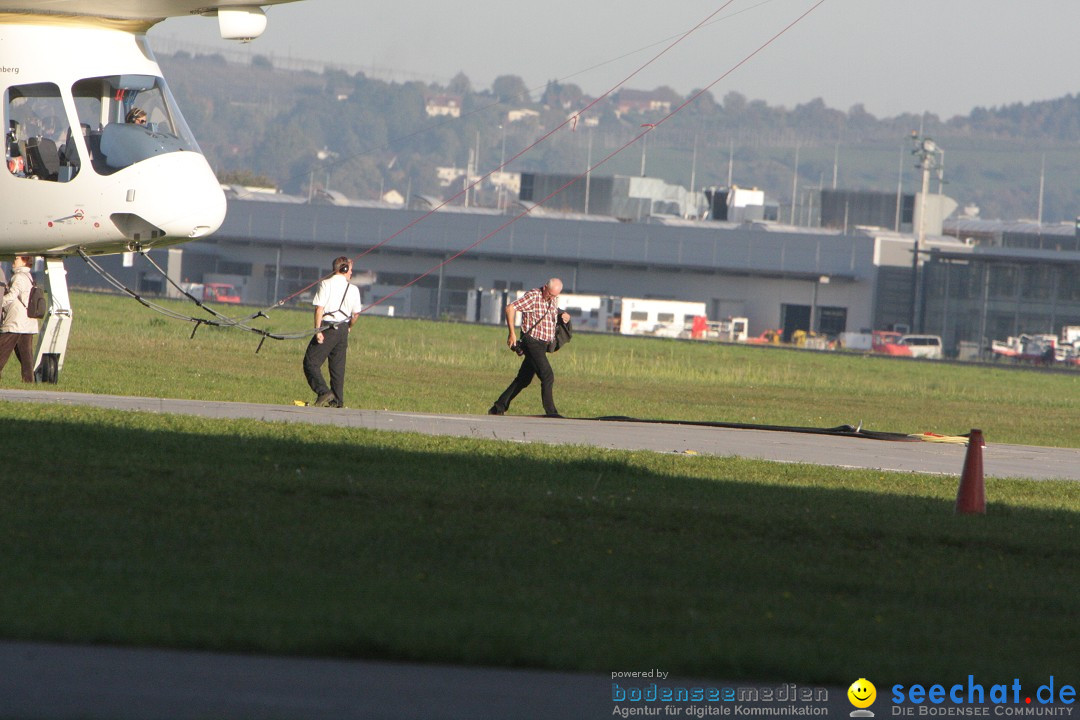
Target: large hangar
(777,276)
(982,280)
(769,274)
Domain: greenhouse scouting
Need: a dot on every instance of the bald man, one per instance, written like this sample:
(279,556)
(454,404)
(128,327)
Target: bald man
(538,309)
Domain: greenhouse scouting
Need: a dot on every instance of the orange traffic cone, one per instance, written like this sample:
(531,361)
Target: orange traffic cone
(971,495)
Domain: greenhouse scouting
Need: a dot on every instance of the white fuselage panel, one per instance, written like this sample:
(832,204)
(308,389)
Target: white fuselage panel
(78,173)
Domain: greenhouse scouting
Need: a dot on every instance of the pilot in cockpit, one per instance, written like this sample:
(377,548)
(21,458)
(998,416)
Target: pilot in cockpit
(136,115)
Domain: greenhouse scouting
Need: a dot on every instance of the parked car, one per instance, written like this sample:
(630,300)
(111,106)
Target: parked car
(213,292)
(924,346)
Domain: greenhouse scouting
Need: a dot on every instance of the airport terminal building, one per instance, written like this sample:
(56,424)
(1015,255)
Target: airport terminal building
(777,276)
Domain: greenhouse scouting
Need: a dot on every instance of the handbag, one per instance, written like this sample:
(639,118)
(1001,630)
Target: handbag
(563,332)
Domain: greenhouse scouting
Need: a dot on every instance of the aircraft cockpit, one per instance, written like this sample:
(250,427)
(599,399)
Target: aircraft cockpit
(99,158)
(41,143)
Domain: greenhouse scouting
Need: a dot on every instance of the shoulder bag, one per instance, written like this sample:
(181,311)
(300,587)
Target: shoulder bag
(35,303)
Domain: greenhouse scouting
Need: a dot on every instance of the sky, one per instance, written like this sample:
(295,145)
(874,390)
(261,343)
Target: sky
(943,57)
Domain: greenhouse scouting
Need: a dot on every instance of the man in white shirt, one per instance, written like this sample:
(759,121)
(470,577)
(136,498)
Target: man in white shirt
(337,305)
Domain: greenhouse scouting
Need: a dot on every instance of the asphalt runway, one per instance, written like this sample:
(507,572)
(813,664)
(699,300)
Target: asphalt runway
(1018,461)
(41,680)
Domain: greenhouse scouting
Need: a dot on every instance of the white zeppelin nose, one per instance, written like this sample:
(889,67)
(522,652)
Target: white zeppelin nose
(180,195)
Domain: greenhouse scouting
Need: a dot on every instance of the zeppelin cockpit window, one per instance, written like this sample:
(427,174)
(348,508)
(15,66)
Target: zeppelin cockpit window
(127,119)
(39,142)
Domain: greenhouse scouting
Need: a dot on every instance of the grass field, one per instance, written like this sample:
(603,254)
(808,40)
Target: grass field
(119,347)
(182,532)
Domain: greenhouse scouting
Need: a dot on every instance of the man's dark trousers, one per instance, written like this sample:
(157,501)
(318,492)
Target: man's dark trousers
(533,364)
(334,346)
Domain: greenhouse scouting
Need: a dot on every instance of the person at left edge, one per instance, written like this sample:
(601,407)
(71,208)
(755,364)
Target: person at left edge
(337,305)
(17,330)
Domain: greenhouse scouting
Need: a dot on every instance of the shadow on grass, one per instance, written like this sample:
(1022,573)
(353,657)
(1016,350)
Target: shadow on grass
(181,532)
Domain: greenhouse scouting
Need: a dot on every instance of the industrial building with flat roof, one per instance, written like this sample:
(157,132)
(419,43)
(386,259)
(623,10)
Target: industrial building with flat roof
(778,276)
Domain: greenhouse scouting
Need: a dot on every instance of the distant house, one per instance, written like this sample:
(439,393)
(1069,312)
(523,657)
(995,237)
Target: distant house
(437,105)
(640,101)
(522,114)
(447,175)
(590,120)
(508,181)
(393,197)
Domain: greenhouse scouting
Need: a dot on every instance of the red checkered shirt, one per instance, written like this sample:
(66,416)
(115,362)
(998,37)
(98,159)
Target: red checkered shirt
(534,310)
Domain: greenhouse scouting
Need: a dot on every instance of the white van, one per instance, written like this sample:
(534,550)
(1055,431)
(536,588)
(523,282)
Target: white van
(924,346)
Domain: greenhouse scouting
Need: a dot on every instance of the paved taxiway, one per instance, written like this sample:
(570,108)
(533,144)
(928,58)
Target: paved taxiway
(1018,461)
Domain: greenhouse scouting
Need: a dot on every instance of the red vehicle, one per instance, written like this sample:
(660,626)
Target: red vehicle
(213,292)
(887,342)
(1026,348)
(221,292)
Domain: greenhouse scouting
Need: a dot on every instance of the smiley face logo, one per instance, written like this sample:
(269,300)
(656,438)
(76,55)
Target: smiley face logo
(862,693)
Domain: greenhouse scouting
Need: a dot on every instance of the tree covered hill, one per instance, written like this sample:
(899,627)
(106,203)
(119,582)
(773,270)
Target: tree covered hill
(362,137)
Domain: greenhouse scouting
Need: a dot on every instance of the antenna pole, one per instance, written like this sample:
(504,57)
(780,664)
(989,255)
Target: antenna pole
(930,158)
